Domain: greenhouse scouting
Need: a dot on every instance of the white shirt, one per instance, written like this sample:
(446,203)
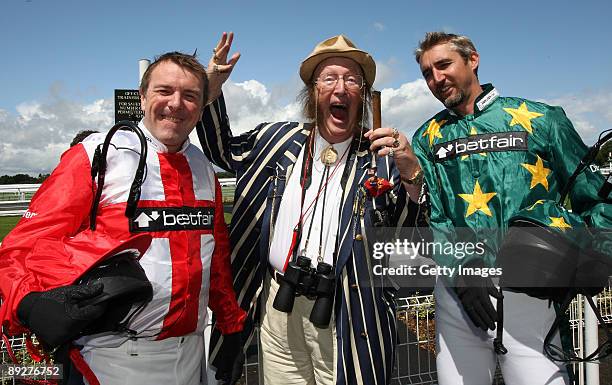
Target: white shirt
(289,211)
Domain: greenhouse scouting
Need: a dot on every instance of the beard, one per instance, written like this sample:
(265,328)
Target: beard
(454,100)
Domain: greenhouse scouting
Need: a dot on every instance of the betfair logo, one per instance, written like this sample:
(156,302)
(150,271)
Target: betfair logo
(476,144)
(172,219)
(29,214)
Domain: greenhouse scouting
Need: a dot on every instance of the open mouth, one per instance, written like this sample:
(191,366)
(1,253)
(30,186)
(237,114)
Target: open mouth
(445,91)
(339,111)
(173,119)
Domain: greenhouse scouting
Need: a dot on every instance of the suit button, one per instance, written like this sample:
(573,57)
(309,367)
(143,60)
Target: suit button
(354,286)
(476,174)
(358,237)
(364,335)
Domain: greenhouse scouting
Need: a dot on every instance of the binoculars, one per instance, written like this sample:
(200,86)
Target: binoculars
(302,279)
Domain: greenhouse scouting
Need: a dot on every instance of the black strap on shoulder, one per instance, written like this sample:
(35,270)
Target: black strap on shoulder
(98,168)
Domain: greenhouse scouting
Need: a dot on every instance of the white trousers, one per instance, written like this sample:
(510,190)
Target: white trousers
(465,352)
(294,350)
(172,361)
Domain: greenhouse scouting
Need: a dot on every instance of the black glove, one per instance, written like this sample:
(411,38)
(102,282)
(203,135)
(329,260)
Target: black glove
(473,292)
(59,315)
(229,360)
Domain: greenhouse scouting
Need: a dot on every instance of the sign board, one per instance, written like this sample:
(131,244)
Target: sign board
(127,105)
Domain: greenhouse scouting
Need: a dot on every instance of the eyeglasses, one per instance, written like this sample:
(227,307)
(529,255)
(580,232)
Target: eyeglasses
(351,82)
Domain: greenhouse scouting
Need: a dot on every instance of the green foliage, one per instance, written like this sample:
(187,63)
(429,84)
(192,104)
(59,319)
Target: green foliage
(22,179)
(422,310)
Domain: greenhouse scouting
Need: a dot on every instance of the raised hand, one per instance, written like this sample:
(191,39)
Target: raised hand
(219,67)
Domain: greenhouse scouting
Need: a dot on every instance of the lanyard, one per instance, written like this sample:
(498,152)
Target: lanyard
(305,181)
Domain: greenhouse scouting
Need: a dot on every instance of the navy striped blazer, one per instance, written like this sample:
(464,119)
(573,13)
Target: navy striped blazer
(262,160)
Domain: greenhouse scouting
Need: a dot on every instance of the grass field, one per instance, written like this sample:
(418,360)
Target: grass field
(6,225)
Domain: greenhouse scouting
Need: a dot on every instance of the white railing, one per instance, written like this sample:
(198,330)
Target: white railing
(227,182)
(14,198)
(19,191)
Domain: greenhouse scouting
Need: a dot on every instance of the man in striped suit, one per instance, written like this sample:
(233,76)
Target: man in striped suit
(299,193)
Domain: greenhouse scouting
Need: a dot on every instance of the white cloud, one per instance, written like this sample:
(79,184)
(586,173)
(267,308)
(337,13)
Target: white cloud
(589,111)
(255,89)
(250,103)
(35,137)
(408,106)
(379,26)
(386,72)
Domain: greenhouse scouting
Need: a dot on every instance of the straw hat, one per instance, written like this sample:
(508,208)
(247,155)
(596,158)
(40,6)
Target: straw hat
(338,46)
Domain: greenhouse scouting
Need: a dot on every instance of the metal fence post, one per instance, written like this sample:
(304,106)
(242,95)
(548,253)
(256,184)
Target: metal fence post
(591,341)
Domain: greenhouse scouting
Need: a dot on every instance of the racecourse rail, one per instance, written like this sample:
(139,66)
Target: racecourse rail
(15,198)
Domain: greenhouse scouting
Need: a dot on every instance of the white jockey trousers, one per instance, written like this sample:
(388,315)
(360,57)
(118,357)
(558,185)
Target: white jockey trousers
(465,352)
(172,361)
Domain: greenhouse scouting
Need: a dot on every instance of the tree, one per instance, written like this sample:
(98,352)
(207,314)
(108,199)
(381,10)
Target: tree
(22,179)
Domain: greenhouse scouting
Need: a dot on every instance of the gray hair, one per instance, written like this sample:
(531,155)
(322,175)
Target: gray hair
(461,44)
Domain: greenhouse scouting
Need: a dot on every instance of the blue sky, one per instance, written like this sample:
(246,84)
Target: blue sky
(62,59)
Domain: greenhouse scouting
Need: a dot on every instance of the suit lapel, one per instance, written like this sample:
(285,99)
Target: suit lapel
(359,162)
(280,169)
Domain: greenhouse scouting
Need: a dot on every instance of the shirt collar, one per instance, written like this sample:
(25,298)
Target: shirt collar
(159,146)
(488,95)
(321,143)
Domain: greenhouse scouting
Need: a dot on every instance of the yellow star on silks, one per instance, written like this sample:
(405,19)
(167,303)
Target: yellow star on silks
(434,130)
(539,173)
(559,222)
(538,202)
(473,132)
(522,116)
(478,201)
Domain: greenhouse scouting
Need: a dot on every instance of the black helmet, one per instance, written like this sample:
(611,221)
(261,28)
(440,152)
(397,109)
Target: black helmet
(540,251)
(126,287)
